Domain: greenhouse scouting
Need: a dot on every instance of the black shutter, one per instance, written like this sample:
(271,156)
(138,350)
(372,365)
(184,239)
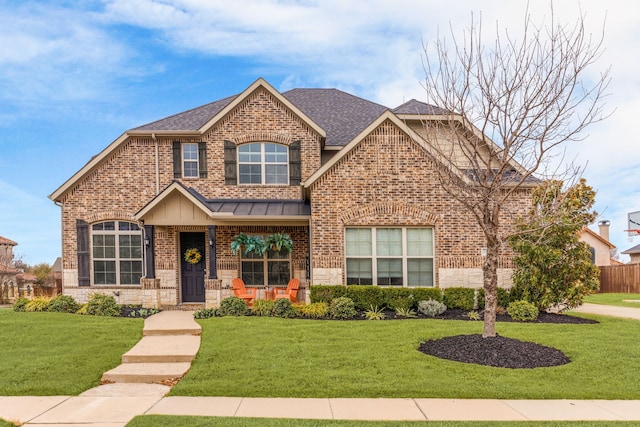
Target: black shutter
(230,169)
(295,164)
(177,159)
(213,268)
(202,159)
(148,252)
(82,236)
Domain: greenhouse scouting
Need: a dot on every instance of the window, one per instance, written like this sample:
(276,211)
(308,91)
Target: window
(277,266)
(263,163)
(389,256)
(190,160)
(116,247)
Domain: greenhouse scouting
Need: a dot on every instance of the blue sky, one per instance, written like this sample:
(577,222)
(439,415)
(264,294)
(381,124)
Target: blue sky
(75,75)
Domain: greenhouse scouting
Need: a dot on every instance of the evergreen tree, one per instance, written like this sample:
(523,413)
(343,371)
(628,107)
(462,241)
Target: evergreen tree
(553,267)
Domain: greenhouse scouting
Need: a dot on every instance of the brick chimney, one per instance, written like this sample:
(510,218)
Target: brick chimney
(604,229)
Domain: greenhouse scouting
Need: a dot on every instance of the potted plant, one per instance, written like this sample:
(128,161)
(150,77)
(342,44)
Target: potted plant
(250,244)
(278,242)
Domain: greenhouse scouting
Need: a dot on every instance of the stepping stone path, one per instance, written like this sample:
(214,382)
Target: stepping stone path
(170,342)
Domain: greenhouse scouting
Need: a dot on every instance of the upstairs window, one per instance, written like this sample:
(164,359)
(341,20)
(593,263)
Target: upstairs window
(190,160)
(116,248)
(263,163)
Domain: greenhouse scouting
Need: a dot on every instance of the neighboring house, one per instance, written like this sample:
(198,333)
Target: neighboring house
(600,245)
(351,181)
(8,274)
(634,254)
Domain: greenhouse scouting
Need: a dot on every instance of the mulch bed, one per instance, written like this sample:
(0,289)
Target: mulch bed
(499,351)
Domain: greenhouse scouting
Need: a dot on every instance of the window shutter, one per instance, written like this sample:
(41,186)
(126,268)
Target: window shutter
(82,236)
(177,159)
(230,169)
(148,252)
(295,164)
(202,159)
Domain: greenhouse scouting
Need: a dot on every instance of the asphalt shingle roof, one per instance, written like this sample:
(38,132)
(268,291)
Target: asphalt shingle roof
(342,115)
(417,107)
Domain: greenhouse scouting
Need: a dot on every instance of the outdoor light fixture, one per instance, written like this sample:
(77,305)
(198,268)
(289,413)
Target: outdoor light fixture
(210,243)
(147,242)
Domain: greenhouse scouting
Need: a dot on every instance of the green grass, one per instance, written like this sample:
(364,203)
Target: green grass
(182,421)
(60,354)
(270,357)
(614,299)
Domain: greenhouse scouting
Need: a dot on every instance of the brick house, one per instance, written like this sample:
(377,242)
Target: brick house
(351,181)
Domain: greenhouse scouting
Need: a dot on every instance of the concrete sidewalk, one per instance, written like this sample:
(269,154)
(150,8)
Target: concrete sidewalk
(100,409)
(610,310)
(115,404)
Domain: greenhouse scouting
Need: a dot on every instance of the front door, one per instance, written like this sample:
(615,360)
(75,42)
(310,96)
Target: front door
(192,266)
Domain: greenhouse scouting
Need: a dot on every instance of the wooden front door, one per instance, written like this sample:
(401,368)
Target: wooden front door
(192,275)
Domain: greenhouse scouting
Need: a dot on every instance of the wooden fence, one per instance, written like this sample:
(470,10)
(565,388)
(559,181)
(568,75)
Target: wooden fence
(620,278)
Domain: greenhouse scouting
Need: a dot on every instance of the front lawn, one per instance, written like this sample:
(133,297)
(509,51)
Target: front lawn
(614,299)
(46,354)
(271,357)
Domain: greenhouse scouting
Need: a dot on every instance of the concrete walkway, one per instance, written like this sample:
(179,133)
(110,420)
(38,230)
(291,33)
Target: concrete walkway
(610,310)
(173,337)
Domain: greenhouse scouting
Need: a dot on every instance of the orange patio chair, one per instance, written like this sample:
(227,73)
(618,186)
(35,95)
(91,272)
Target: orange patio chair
(291,291)
(241,291)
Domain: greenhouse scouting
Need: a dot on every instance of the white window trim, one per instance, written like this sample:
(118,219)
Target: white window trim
(185,161)
(374,257)
(116,232)
(263,163)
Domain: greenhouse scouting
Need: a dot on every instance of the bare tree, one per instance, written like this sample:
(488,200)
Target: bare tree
(510,108)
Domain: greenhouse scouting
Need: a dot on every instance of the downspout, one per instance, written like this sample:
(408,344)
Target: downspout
(155,140)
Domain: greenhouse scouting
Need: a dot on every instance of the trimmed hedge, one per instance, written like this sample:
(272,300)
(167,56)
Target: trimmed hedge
(462,298)
(365,297)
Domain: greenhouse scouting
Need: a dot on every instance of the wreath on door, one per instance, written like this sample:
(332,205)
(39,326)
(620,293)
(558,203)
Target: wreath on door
(192,256)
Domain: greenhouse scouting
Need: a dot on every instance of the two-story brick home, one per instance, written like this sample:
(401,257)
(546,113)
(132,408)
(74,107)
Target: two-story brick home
(352,182)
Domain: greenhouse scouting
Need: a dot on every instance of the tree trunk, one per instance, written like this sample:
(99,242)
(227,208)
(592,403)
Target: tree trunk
(490,283)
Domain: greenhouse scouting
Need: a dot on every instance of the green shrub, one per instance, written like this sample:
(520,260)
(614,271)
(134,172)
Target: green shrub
(38,304)
(364,297)
(282,308)
(504,298)
(425,294)
(20,304)
(327,293)
(262,307)
(64,304)
(374,313)
(315,310)
(138,311)
(233,306)
(431,308)
(102,305)
(522,310)
(398,298)
(205,313)
(459,298)
(82,310)
(342,308)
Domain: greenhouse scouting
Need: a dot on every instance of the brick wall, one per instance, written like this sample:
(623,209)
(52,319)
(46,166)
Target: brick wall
(388,180)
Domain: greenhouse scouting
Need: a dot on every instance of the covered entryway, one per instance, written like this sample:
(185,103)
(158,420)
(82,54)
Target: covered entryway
(192,270)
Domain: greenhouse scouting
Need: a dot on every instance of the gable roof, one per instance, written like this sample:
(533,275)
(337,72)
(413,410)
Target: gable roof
(598,237)
(230,210)
(5,241)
